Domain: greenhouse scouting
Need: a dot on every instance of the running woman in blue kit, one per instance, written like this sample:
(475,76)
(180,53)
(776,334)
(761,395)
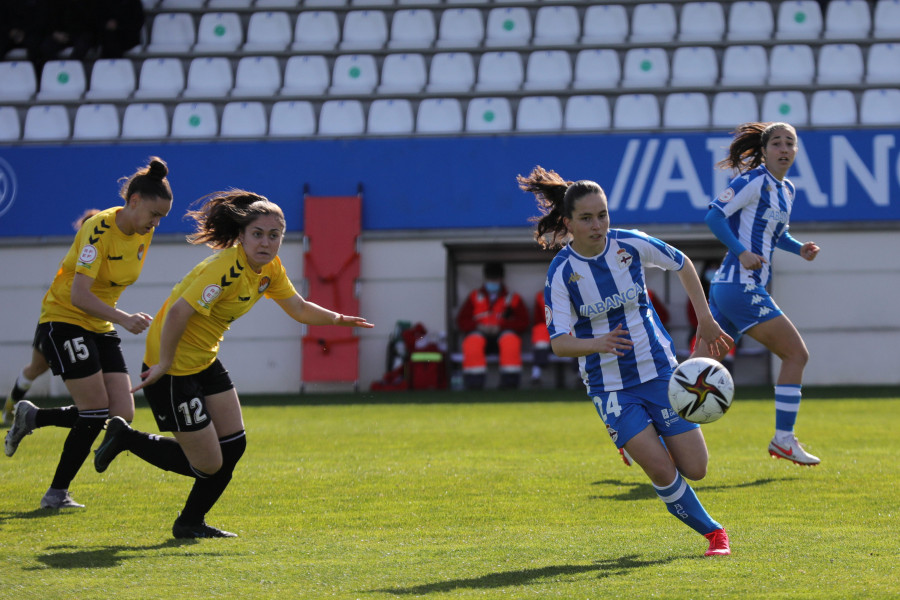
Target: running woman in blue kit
(597,309)
(751,218)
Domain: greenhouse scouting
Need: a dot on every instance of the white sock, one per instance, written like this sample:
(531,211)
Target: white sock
(23,383)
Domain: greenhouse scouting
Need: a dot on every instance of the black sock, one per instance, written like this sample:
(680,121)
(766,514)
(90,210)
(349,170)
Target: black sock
(57,417)
(17,393)
(161,452)
(206,492)
(78,444)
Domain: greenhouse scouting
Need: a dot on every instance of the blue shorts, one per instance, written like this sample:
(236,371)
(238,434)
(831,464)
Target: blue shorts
(737,307)
(628,412)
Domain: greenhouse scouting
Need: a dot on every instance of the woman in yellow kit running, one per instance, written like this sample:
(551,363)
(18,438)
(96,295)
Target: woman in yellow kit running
(75,332)
(185,384)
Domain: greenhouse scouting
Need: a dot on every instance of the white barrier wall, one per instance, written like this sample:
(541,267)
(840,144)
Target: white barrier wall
(842,303)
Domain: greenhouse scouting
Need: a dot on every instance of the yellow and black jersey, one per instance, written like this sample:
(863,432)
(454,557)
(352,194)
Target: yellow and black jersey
(105,254)
(220,289)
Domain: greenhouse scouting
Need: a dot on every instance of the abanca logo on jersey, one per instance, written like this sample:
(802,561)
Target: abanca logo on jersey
(614,301)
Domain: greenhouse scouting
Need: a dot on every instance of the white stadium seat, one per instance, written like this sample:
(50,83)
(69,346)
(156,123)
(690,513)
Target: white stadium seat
(460,28)
(539,113)
(172,33)
(508,26)
(243,120)
(353,74)
(789,106)
(209,77)
(548,70)
(403,74)
(306,75)
(730,109)
(439,115)
(745,66)
(604,24)
(390,117)
(750,20)
(19,81)
(500,71)
(836,108)
(111,79)
(653,22)
(96,122)
(840,64)
(10,126)
(791,64)
(316,30)
(880,107)
(597,68)
(47,122)
(194,120)
(701,22)
(883,63)
(257,76)
(412,28)
(694,66)
(645,67)
(886,18)
(145,121)
(686,111)
(556,26)
(341,117)
(799,20)
(489,115)
(636,111)
(218,33)
(268,32)
(292,119)
(848,19)
(160,78)
(587,113)
(364,30)
(62,80)
(451,72)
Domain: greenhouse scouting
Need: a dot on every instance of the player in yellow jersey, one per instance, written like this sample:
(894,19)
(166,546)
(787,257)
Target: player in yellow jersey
(38,365)
(185,384)
(75,332)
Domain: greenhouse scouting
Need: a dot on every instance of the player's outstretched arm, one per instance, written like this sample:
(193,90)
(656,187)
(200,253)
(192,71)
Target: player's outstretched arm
(310,313)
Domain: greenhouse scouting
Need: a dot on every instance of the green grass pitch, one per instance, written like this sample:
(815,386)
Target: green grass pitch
(452,495)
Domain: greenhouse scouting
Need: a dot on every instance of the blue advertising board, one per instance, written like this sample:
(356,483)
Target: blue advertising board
(432,183)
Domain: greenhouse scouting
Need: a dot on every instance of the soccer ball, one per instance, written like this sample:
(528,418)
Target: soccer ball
(701,390)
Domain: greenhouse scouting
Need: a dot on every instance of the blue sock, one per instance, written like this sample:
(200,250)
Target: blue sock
(787,404)
(682,502)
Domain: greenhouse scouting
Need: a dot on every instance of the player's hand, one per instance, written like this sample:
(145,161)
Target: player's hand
(809,250)
(751,261)
(615,342)
(348,321)
(718,343)
(136,323)
(149,376)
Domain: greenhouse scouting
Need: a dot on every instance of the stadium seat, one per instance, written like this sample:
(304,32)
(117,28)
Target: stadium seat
(636,111)
(221,5)
(276,4)
(324,3)
(209,77)
(439,115)
(111,79)
(10,126)
(353,74)
(19,81)
(460,28)
(268,32)
(604,24)
(500,71)
(750,20)
(316,30)
(292,119)
(847,19)
(47,122)
(160,78)
(880,107)
(194,120)
(694,66)
(371,2)
(701,22)
(62,80)
(883,64)
(548,70)
(730,109)
(390,117)
(886,18)
(243,120)
(451,72)
(404,2)
(218,33)
(488,115)
(172,33)
(686,111)
(744,66)
(645,67)
(799,20)
(790,107)
(508,26)
(181,4)
(257,76)
(364,30)
(840,64)
(96,122)
(403,74)
(145,121)
(653,22)
(791,64)
(832,108)
(341,117)
(556,26)
(597,69)
(306,75)
(587,113)
(539,113)
(412,28)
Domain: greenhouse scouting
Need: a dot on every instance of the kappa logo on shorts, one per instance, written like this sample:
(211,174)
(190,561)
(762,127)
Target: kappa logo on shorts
(88,255)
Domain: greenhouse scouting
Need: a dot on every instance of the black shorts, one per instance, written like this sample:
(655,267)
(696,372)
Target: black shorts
(178,402)
(74,352)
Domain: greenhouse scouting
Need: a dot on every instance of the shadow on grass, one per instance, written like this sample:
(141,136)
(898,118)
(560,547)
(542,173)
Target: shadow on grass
(645,491)
(74,557)
(603,568)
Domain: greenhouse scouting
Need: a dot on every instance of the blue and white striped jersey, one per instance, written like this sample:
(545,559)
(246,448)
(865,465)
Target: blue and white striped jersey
(589,297)
(758,208)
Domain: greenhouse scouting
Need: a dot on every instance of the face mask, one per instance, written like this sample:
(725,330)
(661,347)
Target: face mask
(492,287)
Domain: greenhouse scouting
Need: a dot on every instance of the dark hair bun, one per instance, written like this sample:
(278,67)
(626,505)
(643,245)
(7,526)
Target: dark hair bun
(157,168)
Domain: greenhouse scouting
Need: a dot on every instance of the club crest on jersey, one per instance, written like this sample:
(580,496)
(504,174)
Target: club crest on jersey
(88,255)
(210,293)
(726,196)
(263,284)
(548,315)
(623,257)
(141,252)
